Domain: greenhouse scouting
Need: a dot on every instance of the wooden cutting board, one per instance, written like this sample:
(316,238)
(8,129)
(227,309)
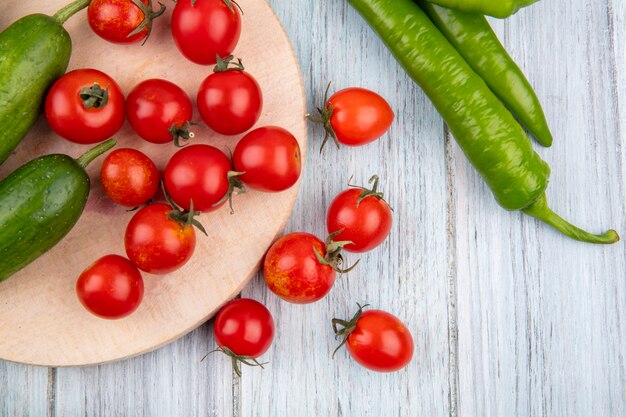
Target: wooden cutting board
(41,320)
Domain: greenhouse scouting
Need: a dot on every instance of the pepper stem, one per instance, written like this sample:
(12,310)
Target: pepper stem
(540,210)
(95,152)
(68,11)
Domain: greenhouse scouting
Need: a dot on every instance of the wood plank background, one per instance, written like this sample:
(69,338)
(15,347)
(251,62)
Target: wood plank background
(509,317)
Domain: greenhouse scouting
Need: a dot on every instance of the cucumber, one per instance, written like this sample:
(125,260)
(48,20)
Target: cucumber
(40,202)
(34,52)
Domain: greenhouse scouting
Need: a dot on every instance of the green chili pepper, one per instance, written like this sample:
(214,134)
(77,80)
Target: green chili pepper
(485,130)
(474,39)
(495,8)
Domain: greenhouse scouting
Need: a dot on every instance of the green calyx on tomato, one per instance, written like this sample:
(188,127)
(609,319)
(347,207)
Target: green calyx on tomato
(347,327)
(237,359)
(149,16)
(235,187)
(181,132)
(223,64)
(326,111)
(334,257)
(373,192)
(185,218)
(94,96)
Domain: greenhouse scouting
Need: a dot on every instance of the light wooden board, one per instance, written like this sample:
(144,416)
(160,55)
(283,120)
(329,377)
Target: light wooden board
(41,320)
(539,318)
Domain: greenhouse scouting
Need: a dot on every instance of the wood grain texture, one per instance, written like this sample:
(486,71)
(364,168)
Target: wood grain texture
(509,317)
(41,319)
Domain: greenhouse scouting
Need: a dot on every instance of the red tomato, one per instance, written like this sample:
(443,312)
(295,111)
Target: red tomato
(294,272)
(269,158)
(205,29)
(122,21)
(356,116)
(110,288)
(379,341)
(245,327)
(198,173)
(76,110)
(159,111)
(156,243)
(230,101)
(129,177)
(362,216)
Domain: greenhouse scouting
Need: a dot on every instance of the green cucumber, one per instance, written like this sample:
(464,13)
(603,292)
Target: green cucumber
(40,202)
(34,52)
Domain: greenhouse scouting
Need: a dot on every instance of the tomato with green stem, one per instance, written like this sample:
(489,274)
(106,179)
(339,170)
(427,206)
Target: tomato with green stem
(129,177)
(301,269)
(244,330)
(159,111)
(204,29)
(360,215)
(375,339)
(122,21)
(160,238)
(230,99)
(201,175)
(110,288)
(269,158)
(353,116)
(85,106)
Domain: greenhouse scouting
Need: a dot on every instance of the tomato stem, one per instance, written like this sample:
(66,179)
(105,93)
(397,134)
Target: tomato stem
(223,64)
(235,187)
(86,158)
(68,11)
(348,327)
(325,113)
(237,359)
(148,16)
(185,218)
(94,96)
(334,257)
(181,132)
(373,192)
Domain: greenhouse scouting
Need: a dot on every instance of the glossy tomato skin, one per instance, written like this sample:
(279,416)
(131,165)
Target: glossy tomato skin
(110,288)
(69,118)
(270,159)
(230,102)
(293,272)
(157,244)
(367,223)
(154,105)
(114,20)
(244,326)
(380,342)
(205,29)
(198,173)
(360,116)
(129,177)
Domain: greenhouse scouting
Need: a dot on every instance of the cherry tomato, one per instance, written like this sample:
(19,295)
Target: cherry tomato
(379,341)
(156,243)
(85,106)
(122,21)
(269,158)
(230,100)
(356,116)
(362,216)
(198,173)
(110,288)
(129,177)
(203,29)
(245,327)
(159,111)
(301,269)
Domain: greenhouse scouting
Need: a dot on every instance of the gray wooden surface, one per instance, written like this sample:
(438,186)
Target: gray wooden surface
(509,317)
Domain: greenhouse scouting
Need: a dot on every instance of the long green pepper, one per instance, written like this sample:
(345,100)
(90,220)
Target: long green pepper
(485,130)
(473,38)
(495,8)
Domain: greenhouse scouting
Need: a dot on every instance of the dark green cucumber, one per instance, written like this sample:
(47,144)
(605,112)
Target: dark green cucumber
(40,202)
(34,52)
